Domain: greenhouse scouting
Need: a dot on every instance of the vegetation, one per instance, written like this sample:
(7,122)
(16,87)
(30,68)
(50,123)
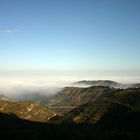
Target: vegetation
(27,110)
(99,113)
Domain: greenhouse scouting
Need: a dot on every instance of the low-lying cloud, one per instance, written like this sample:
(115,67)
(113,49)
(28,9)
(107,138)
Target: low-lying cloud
(34,87)
(28,88)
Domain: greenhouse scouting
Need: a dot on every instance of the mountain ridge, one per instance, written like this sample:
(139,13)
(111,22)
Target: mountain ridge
(109,83)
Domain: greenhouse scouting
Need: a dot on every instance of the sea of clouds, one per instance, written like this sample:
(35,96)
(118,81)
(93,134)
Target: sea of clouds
(21,88)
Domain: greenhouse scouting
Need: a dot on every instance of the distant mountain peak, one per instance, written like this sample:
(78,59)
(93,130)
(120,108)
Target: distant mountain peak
(4,98)
(109,83)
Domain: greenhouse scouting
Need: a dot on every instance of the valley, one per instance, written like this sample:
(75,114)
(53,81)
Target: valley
(100,112)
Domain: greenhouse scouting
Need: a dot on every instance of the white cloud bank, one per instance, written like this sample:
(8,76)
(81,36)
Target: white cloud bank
(24,87)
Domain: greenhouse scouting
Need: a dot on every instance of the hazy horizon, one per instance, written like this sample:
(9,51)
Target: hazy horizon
(45,42)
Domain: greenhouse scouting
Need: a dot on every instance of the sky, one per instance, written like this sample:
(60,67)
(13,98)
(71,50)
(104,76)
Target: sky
(85,39)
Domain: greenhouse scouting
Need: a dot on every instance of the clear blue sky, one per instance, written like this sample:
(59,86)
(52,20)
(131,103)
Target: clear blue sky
(70,35)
